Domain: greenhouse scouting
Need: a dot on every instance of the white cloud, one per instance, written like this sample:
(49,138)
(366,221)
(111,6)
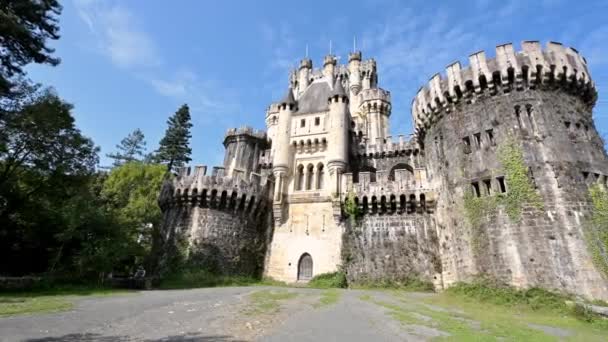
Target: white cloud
(118,34)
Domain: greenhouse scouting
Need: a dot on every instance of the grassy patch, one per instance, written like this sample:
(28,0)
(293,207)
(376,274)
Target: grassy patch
(13,305)
(596,234)
(268,301)
(409,284)
(468,319)
(328,280)
(328,297)
(189,279)
(49,299)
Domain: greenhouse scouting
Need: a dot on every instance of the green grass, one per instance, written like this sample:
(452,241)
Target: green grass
(268,301)
(49,299)
(328,281)
(411,284)
(486,311)
(328,297)
(200,278)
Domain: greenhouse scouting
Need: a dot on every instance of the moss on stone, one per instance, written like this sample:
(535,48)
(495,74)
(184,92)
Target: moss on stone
(596,232)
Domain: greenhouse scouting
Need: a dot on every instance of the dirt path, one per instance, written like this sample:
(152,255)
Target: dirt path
(266,314)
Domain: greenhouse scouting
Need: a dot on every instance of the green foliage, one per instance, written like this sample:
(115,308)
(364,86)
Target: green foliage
(328,297)
(174,147)
(406,284)
(268,301)
(596,230)
(520,188)
(351,209)
(489,291)
(25,27)
(520,192)
(329,280)
(131,148)
(191,278)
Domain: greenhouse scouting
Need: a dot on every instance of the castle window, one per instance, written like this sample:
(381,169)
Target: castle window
(467,144)
(477,137)
(423,202)
(393,203)
(487,186)
(531,117)
(300,178)
(585,175)
(302,122)
(320,175)
(567,124)
(475,189)
(490,135)
(402,203)
(518,115)
(501,184)
(412,206)
(309,176)
(317,121)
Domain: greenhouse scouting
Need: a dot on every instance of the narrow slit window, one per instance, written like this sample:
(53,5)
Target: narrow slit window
(490,135)
(518,115)
(488,186)
(501,184)
(477,137)
(475,189)
(467,144)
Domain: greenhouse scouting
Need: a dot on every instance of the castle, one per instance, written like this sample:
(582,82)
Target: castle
(326,186)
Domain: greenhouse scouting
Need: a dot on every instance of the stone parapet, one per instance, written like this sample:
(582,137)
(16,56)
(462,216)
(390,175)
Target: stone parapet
(555,67)
(245,130)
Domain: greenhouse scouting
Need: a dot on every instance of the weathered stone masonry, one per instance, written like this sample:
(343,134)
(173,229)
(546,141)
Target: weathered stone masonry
(280,197)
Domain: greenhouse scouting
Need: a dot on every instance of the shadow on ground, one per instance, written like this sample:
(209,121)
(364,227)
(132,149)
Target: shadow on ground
(189,337)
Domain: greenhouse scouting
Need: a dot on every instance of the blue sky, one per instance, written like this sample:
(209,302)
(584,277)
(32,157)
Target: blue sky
(131,64)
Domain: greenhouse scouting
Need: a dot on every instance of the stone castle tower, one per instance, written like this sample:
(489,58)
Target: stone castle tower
(445,204)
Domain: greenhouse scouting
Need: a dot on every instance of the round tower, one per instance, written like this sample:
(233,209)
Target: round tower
(375,106)
(304,74)
(329,68)
(337,151)
(511,149)
(282,157)
(243,147)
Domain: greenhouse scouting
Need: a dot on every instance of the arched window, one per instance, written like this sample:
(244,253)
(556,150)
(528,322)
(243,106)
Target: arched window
(383,204)
(310,170)
(365,206)
(402,203)
(232,203)
(223,199)
(412,207)
(374,205)
(213,199)
(242,203)
(203,202)
(423,202)
(300,178)
(393,204)
(320,175)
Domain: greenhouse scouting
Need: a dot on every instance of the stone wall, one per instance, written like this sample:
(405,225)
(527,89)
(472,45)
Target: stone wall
(563,153)
(391,248)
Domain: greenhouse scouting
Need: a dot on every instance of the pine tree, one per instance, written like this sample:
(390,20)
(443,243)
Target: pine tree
(131,148)
(25,26)
(174,147)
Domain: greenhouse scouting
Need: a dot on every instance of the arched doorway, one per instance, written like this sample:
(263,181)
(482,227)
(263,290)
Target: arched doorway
(305,267)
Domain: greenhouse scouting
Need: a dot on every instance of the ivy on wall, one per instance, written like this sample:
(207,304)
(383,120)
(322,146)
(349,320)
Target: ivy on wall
(351,209)
(520,192)
(596,232)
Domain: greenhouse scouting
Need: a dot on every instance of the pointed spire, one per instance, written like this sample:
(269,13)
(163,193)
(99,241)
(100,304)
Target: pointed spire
(288,98)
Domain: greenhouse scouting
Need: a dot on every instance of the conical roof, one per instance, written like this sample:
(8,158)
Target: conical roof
(288,98)
(338,89)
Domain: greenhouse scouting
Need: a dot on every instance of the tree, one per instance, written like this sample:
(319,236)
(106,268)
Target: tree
(174,149)
(130,149)
(131,192)
(25,26)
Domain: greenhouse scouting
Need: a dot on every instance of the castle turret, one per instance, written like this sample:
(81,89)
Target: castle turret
(329,67)
(376,107)
(354,66)
(304,74)
(243,148)
(281,160)
(338,139)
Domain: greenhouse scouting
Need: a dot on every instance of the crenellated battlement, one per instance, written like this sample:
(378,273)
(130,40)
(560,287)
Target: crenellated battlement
(531,68)
(399,191)
(389,147)
(245,130)
(375,94)
(192,186)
